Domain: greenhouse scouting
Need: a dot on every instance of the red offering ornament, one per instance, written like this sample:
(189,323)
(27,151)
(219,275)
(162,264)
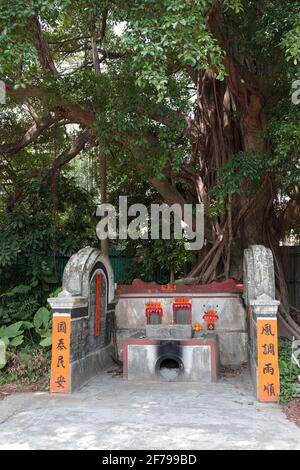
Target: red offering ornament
(211,317)
(153,308)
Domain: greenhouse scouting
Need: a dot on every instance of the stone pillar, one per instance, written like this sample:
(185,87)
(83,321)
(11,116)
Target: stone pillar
(82,321)
(264,348)
(66,309)
(262,308)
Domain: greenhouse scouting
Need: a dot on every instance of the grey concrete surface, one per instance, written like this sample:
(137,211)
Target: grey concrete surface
(169,331)
(112,414)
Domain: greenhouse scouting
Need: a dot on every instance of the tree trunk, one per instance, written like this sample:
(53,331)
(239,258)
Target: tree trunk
(229,119)
(248,219)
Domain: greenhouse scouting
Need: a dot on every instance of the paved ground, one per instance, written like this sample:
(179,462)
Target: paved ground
(112,414)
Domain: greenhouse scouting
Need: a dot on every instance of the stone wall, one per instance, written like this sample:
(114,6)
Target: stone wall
(225,298)
(87,301)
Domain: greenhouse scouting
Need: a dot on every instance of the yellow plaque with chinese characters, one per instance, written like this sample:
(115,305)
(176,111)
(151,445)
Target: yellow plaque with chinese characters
(268,370)
(60,369)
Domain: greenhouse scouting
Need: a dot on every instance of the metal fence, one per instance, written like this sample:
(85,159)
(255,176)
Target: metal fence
(293,268)
(125,268)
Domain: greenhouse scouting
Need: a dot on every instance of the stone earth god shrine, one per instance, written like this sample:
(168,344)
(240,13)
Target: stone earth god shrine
(165,333)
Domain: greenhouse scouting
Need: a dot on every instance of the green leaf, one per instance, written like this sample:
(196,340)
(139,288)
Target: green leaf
(41,317)
(17,341)
(5,340)
(13,330)
(46,342)
(27,325)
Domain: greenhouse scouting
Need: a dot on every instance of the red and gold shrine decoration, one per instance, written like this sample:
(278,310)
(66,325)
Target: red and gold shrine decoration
(268,369)
(154,308)
(182,303)
(169,287)
(60,368)
(98,304)
(211,317)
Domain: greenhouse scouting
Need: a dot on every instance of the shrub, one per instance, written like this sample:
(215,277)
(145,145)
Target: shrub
(26,334)
(29,367)
(288,372)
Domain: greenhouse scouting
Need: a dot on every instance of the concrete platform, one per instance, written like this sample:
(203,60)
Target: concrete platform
(192,360)
(113,414)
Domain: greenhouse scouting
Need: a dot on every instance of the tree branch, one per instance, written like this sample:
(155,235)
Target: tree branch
(87,136)
(70,111)
(42,46)
(31,135)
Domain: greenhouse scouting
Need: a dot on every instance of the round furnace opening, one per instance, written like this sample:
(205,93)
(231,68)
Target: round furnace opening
(169,369)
